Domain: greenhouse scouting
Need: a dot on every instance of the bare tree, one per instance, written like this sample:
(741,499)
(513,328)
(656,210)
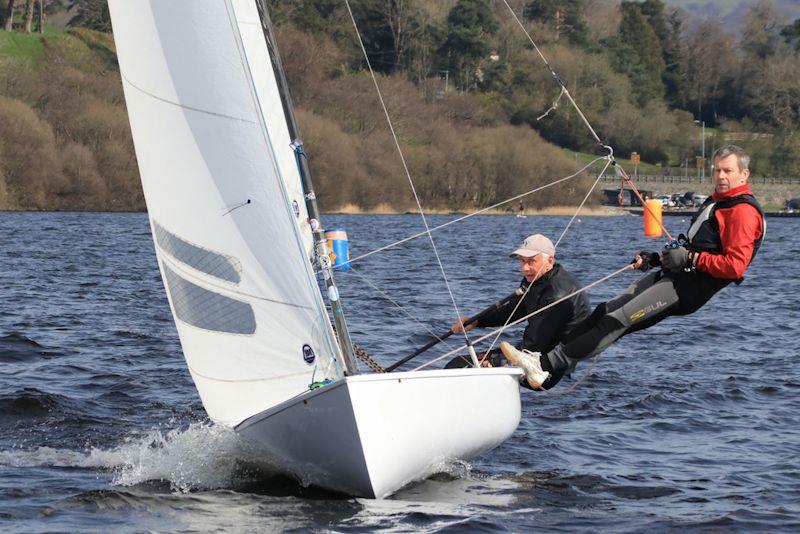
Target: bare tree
(710,59)
(9,16)
(396,12)
(28,21)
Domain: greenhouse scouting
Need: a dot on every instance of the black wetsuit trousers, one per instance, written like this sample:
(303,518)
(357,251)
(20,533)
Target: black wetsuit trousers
(650,299)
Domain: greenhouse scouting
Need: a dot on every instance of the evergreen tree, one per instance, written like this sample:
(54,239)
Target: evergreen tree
(636,51)
(566,16)
(92,14)
(669,30)
(376,33)
(674,77)
(469,25)
(791,34)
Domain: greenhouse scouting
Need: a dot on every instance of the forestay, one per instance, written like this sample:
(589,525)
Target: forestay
(225,201)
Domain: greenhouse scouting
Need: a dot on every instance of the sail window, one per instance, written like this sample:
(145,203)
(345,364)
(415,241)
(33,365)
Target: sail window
(212,263)
(206,309)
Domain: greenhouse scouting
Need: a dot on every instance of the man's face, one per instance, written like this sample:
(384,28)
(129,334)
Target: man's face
(727,174)
(533,268)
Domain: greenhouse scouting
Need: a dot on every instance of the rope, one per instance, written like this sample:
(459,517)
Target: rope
(565,91)
(398,305)
(553,107)
(557,78)
(478,212)
(405,166)
(428,230)
(539,272)
(540,310)
(362,355)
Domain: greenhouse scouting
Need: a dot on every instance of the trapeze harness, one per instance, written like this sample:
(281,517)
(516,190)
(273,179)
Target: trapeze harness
(704,235)
(656,295)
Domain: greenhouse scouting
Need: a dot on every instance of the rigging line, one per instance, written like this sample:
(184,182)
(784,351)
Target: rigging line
(399,306)
(626,180)
(558,241)
(553,72)
(553,106)
(405,166)
(540,310)
(478,212)
(564,91)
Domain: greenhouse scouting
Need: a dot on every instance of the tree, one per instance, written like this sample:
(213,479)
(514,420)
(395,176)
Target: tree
(774,98)
(710,67)
(668,27)
(565,15)
(791,34)
(8,22)
(28,20)
(376,34)
(636,51)
(674,51)
(92,14)
(401,21)
(469,25)
(760,30)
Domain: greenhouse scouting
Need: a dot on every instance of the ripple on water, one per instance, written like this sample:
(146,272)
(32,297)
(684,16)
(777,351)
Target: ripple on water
(18,348)
(101,427)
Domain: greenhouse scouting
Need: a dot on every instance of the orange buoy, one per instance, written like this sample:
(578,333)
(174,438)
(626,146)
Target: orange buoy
(652,218)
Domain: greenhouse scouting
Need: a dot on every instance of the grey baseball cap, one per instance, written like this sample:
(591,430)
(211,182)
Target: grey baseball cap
(533,245)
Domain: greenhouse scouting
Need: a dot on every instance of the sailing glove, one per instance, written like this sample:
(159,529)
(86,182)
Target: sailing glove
(649,260)
(676,259)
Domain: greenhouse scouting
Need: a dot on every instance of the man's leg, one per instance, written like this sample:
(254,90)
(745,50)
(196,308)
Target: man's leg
(646,302)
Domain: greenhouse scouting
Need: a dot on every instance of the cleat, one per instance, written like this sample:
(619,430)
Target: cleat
(527,361)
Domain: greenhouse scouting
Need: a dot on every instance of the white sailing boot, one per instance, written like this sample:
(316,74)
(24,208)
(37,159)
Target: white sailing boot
(527,361)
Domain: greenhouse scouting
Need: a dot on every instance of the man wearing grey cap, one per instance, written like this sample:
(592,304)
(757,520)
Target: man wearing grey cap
(545,281)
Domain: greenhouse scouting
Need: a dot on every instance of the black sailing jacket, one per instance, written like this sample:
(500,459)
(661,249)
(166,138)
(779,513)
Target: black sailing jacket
(545,330)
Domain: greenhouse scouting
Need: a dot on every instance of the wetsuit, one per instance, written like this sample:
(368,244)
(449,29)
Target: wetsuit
(725,236)
(547,329)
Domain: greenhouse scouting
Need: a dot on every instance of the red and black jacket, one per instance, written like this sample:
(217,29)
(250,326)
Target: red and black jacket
(727,232)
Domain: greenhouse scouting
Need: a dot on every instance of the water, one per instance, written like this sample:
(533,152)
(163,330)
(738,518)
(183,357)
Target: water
(692,424)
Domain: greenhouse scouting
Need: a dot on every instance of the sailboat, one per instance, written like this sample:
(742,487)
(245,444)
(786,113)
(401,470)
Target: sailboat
(239,242)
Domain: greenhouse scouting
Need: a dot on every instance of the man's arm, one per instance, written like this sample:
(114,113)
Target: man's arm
(739,227)
(499,316)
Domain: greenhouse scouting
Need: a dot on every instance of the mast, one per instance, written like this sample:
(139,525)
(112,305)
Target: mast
(320,243)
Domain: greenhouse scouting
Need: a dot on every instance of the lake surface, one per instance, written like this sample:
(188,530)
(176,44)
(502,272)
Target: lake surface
(692,425)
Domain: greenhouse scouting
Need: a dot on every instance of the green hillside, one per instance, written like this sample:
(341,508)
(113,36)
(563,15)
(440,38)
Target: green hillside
(65,137)
(479,116)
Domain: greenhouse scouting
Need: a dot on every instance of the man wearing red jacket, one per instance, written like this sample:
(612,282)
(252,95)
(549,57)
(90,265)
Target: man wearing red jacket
(724,237)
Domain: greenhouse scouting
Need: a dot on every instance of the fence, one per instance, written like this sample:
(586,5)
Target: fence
(671,179)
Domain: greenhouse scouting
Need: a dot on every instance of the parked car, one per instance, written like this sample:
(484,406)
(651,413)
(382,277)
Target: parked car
(666,201)
(678,200)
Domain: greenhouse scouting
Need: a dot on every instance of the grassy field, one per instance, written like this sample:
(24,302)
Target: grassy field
(17,46)
(582,158)
(84,48)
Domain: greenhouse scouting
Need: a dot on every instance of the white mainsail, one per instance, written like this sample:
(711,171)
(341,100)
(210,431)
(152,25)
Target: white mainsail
(225,201)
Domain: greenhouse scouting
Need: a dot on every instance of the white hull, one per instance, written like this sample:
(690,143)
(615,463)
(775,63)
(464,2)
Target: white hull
(370,435)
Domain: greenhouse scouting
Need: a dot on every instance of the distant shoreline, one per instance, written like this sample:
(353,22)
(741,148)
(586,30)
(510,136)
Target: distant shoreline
(554,211)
